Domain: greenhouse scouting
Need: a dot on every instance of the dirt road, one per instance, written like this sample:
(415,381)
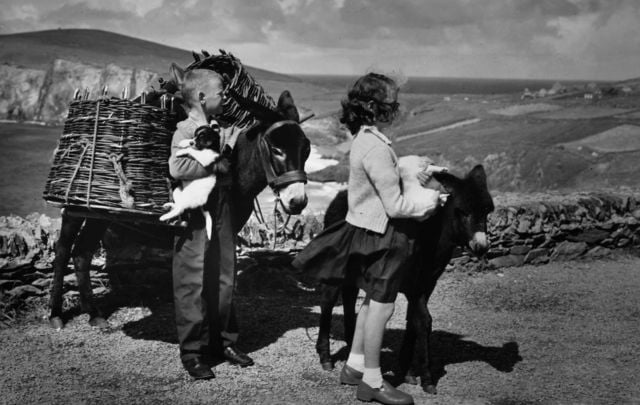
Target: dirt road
(560,333)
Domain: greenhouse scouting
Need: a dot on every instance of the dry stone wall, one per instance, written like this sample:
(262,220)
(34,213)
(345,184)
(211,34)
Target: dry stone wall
(524,229)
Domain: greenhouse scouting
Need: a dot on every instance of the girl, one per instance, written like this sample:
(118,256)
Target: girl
(375,241)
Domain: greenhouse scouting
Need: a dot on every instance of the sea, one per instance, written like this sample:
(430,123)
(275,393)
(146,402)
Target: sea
(449,85)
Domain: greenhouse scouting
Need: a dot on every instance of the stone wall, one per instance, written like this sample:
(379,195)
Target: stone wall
(535,229)
(524,229)
(44,94)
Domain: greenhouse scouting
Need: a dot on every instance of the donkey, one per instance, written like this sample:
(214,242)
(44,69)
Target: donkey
(462,221)
(273,152)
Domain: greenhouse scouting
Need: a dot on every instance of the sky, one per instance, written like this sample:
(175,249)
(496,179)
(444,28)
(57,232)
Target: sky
(533,39)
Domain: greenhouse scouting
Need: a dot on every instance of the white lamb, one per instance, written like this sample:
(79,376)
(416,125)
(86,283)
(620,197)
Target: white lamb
(193,193)
(410,166)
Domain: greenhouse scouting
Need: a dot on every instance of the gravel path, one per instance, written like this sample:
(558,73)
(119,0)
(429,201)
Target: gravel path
(559,333)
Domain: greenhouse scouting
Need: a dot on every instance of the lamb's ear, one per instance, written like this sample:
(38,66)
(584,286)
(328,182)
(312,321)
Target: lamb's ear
(448,180)
(177,74)
(287,107)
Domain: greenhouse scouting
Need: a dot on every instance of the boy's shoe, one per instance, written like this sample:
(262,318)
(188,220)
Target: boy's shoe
(350,375)
(386,394)
(198,369)
(235,356)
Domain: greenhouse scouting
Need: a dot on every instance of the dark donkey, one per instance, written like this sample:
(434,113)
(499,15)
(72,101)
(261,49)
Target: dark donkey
(273,152)
(462,221)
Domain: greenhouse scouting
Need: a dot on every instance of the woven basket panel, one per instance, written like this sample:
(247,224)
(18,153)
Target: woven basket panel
(97,132)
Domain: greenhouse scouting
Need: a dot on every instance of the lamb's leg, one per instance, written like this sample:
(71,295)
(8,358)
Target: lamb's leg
(83,251)
(330,294)
(68,234)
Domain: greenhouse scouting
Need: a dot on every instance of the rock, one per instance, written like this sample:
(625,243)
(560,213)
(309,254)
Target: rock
(70,280)
(507,261)
(8,284)
(43,283)
(24,291)
(537,256)
(568,250)
(590,236)
(520,250)
(100,290)
(497,252)
(623,242)
(599,252)
(524,226)
(636,214)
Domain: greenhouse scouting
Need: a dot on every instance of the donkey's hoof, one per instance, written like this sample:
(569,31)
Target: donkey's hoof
(429,389)
(99,322)
(56,323)
(411,379)
(327,366)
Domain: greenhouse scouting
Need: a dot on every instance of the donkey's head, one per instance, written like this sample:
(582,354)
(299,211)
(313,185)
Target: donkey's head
(283,149)
(469,203)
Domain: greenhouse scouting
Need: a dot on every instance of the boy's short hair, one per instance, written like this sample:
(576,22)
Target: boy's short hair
(197,81)
(372,98)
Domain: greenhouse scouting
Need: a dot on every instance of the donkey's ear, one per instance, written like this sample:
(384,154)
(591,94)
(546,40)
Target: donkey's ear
(177,74)
(448,180)
(287,108)
(478,175)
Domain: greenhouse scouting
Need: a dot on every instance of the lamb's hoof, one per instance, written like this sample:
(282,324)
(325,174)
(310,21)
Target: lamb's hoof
(411,379)
(327,366)
(56,323)
(429,389)
(99,322)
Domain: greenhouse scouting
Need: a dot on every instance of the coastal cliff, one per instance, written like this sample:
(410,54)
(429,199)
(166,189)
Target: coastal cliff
(33,94)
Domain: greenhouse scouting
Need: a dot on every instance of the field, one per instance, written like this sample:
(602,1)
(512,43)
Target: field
(563,333)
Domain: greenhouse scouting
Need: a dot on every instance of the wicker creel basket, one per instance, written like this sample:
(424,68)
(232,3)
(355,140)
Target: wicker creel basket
(113,156)
(237,78)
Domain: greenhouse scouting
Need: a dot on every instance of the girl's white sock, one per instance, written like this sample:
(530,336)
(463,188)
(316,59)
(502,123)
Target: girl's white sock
(372,377)
(356,361)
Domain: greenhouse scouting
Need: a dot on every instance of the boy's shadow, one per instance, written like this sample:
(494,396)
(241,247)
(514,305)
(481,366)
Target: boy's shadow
(270,300)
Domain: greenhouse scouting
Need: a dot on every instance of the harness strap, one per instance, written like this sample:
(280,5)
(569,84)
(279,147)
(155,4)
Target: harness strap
(277,181)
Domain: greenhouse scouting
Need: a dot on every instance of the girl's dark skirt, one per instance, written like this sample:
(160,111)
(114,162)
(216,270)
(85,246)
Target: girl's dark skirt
(375,262)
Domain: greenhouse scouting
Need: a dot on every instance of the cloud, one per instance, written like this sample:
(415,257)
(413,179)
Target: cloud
(526,38)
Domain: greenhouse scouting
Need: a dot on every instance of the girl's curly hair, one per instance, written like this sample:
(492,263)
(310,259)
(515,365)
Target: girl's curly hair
(370,100)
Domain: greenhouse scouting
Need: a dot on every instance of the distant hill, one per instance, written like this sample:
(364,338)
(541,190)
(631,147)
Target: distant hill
(37,50)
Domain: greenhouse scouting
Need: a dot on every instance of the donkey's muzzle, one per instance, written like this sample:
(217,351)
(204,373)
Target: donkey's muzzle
(479,244)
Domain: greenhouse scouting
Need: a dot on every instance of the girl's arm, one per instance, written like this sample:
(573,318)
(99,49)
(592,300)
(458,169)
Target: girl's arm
(385,177)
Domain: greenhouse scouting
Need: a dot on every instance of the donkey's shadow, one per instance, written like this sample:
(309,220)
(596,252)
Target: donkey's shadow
(451,348)
(447,348)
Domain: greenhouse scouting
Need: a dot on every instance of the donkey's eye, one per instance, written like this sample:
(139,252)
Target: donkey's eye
(277,151)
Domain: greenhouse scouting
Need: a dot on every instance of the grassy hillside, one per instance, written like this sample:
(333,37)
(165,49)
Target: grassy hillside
(38,49)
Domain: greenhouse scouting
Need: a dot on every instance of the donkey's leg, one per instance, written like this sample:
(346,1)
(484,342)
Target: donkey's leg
(83,251)
(330,294)
(407,350)
(68,234)
(423,325)
(349,297)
